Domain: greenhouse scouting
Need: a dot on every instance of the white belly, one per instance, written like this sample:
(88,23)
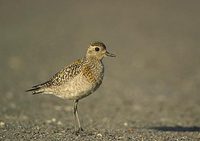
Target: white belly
(77,88)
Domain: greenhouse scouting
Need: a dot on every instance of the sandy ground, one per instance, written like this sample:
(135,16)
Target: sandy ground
(150,91)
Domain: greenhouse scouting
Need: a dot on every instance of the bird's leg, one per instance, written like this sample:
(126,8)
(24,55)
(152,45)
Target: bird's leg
(76,116)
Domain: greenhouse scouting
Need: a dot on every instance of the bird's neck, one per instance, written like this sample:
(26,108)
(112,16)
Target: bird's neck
(93,59)
(94,62)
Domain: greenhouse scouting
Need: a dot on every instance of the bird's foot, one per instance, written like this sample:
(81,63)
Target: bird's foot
(80,129)
(77,132)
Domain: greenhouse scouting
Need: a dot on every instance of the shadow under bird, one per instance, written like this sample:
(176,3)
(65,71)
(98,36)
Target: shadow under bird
(77,80)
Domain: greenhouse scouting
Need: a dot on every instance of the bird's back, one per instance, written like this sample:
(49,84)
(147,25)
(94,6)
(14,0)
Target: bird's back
(61,77)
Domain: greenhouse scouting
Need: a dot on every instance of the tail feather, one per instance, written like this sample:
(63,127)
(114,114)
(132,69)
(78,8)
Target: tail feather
(42,84)
(37,89)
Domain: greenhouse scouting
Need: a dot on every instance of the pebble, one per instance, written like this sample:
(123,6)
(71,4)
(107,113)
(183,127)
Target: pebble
(99,135)
(125,124)
(53,120)
(59,123)
(50,121)
(2,124)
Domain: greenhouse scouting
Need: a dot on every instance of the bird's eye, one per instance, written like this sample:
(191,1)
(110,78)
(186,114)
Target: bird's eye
(96,49)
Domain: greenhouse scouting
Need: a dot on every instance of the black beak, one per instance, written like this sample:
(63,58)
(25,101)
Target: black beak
(110,54)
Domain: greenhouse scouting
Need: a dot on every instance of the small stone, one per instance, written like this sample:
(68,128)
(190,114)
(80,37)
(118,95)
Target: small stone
(99,135)
(48,121)
(37,127)
(59,123)
(53,120)
(125,124)
(2,124)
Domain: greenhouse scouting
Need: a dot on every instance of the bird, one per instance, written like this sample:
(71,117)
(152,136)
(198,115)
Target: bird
(77,80)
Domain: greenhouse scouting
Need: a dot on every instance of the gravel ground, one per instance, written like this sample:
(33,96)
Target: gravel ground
(150,91)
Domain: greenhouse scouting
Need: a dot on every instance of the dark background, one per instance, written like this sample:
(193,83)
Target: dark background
(150,90)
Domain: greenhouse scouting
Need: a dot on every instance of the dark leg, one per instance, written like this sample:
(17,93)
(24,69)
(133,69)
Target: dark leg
(76,116)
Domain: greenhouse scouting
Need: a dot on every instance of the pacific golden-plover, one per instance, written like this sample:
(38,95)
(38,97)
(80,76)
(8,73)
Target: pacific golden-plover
(77,80)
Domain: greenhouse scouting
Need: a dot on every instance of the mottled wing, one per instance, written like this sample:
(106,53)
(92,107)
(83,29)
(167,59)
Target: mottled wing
(66,74)
(61,77)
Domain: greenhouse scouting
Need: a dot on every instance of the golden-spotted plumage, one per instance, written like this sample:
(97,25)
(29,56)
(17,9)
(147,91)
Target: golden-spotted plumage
(67,73)
(79,79)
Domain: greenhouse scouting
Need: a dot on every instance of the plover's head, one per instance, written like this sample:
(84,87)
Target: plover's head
(98,50)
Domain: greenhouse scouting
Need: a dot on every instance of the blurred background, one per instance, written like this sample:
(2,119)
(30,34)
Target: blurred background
(155,77)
